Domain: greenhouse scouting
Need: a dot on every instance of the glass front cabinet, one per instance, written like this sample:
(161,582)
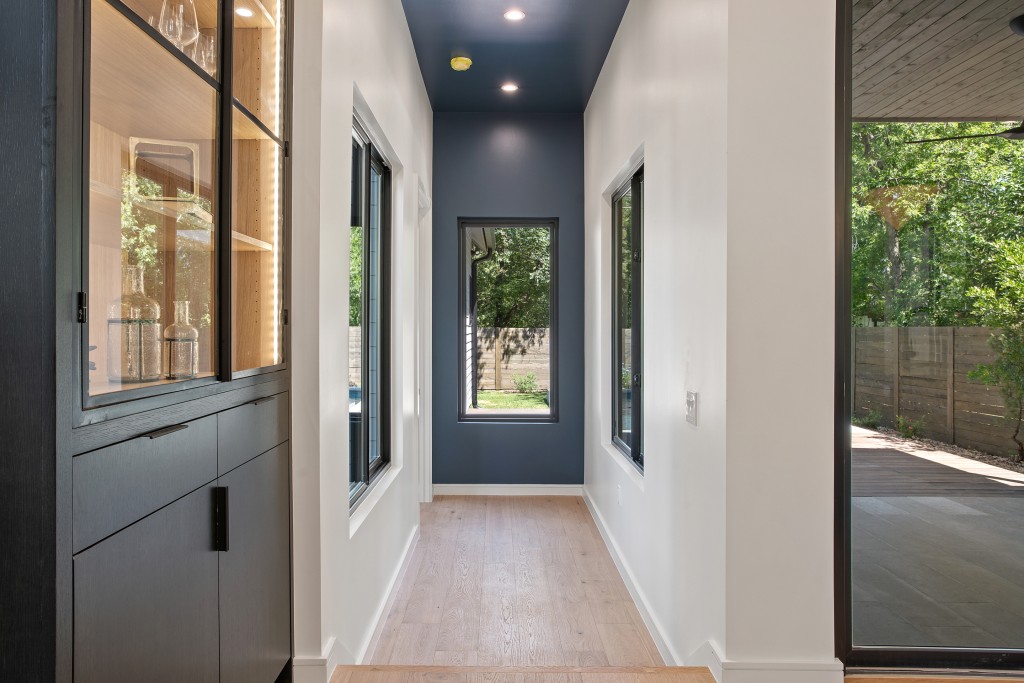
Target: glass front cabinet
(184,191)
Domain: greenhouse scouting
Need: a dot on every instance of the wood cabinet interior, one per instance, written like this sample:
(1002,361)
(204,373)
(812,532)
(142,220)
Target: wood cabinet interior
(256,216)
(257,60)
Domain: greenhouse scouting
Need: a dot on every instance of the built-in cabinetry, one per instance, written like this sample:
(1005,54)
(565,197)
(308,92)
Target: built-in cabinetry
(173,461)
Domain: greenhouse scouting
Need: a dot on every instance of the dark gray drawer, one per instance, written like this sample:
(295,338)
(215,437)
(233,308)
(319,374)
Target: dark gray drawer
(118,485)
(247,431)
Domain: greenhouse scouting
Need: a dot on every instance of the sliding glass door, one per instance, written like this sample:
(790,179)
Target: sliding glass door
(930,371)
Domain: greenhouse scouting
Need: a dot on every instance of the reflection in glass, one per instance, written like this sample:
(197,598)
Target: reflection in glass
(624,318)
(151,228)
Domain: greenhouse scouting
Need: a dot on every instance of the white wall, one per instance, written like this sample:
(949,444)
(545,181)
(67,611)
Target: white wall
(350,54)
(727,538)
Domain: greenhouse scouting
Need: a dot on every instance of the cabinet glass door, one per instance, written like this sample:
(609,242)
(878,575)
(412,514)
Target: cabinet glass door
(255,246)
(257,186)
(257,71)
(152,230)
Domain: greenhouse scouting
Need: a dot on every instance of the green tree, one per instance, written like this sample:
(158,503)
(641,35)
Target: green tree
(514,284)
(927,219)
(355,277)
(1001,307)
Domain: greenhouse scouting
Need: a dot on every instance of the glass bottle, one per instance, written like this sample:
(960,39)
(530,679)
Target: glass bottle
(181,345)
(133,332)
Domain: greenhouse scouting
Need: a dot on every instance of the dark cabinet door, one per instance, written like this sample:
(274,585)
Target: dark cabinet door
(145,600)
(255,607)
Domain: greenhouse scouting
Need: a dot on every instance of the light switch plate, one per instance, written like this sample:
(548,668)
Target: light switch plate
(692,407)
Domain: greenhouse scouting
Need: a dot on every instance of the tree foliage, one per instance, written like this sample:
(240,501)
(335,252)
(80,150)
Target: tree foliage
(514,284)
(930,220)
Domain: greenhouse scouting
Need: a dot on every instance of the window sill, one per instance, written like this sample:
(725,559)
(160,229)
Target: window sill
(626,463)
(378,487)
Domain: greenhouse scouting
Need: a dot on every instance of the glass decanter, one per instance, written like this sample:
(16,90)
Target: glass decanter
(181,345)
(133,332)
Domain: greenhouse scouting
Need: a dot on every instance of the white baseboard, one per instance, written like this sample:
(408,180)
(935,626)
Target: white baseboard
(389,598)
(508,490)
(318,669)
(826,671)
(670,656)
(707,655)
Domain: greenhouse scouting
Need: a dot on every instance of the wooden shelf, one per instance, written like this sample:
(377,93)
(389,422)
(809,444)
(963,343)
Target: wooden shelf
(139,89)
(242,242)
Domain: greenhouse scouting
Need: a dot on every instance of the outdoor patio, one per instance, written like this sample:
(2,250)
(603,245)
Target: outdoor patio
(938,542)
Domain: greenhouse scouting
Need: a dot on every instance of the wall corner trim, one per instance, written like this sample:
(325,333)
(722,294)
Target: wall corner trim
(575,490)
(370,644)
(709,655)
(313,669)
(668,653)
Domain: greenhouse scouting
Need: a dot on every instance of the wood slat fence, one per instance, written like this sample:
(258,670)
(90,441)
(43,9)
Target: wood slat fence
(506,353)
(921,373)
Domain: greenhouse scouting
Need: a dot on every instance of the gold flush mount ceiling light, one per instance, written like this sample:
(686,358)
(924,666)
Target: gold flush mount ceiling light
(461,63)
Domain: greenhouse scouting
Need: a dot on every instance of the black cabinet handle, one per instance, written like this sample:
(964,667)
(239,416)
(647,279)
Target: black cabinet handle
(165,431)
(220,519)
(261,401)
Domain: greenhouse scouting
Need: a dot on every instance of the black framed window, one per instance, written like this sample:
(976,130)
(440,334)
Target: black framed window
(508,320)
(369,353)
(627,318)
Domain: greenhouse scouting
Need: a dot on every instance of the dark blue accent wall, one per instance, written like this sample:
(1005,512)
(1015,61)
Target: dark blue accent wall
(503,166)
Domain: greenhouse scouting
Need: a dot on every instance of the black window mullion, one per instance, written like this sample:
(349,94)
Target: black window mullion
(364,465)
(225,129)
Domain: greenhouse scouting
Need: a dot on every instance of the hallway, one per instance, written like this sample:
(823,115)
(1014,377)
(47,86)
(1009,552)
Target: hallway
(512,581)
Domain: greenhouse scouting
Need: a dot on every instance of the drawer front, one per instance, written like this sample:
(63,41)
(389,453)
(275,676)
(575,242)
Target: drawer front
(247,431)
(117,486)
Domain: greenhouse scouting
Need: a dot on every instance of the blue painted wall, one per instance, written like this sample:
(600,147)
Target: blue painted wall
(500,166)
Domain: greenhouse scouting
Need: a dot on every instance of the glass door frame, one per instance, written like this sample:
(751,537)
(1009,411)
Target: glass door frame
(867,657)
(73,161)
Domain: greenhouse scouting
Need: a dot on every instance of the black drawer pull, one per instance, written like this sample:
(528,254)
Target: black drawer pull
(220,519)
(165,431)
(261,401)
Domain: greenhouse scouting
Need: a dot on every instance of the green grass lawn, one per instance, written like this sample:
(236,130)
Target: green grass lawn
(510,400)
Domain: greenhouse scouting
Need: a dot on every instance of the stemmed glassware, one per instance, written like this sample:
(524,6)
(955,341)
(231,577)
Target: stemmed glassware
(178,22)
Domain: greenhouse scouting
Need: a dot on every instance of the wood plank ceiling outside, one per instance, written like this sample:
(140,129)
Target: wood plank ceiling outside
(937,60)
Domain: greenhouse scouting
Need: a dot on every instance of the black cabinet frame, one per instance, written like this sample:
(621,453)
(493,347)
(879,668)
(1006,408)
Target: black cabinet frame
(74,27)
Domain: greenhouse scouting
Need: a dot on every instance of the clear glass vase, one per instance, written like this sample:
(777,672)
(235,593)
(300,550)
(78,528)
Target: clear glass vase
(133,332)
(181,345)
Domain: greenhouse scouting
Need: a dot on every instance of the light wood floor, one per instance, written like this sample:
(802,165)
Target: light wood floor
(480,674)
(512,582)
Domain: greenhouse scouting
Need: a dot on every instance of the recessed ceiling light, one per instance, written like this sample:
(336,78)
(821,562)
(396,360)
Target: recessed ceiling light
(515,15)
(461,63)
(510,87)
(244,12)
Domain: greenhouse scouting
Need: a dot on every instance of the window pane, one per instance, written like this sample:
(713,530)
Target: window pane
(255,247)
(374,273)
(190,25)
(258,52)
(151,228)
(623,400)
(355,322)
(507,297)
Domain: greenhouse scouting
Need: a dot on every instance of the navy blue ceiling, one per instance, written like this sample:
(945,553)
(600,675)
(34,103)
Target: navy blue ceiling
(554,55)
